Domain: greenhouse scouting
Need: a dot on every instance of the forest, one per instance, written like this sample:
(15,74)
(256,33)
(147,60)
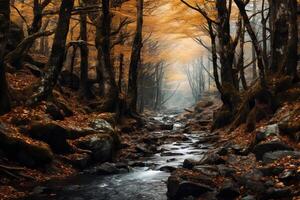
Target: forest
(149,99)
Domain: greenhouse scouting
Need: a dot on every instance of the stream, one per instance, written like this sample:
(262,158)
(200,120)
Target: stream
(141,183)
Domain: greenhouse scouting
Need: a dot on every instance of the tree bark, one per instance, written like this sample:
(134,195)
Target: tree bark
(84,53)
(135,58)
(57,56)
(110,86)
(4,29)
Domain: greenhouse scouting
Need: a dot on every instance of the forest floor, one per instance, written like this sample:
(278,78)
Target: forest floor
(61,137)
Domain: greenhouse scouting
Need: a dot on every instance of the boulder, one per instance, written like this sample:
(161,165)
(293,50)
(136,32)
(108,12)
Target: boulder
(277,155)
(101,126)
(79,161)
(267,131)
(102,146)
(229,190)
(54,112)
(53,134)
(167,168)
(189,163)
(25,150)
(108,169)
(260,149)
(188,188)
(277,193)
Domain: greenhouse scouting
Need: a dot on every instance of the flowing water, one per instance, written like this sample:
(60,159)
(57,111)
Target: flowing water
(142,183)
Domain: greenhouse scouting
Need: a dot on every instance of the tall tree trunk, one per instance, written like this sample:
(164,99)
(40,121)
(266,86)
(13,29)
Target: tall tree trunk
(84,54)
(226,54)
(135,58)
(110,86)
(283,34)
(57,56)
(121,73)
(292,53)
(4,29)
(253,22)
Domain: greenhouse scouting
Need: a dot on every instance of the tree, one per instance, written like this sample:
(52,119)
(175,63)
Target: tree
(135,58)
(4,28)
(57,56)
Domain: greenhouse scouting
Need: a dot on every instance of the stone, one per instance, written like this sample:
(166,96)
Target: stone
(24,150)
(101,125)
(54,112)
(289,176)
(104,169)
(276,155)
(166,126)
(226,171)
(180,189)
(189,163)
(80,161)
(188,188)
(212,159)
(271,171)
(102,146)
(260,149)
(229,190)
(53,134)
(167,168)
(171,154)
(249,197)
(277,193)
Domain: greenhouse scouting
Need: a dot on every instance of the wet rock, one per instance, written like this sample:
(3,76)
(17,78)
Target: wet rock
(24,150)
(260,149)
(101,126)
(167,168)
(289,176)
(272,129)
(207,170)
(252,181)
(226,171)
(137,164)
(212,159)
(289,127)
(143,149)
(54,112)
(229,190)
(249,197)
(102,146)
(53,134)
(183,189)
(166,126)
(275,193)
(69,80)
(276,155)
(80,161)
(104,169)
(171,160)
(65,108)
(171,154)
(271,171)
